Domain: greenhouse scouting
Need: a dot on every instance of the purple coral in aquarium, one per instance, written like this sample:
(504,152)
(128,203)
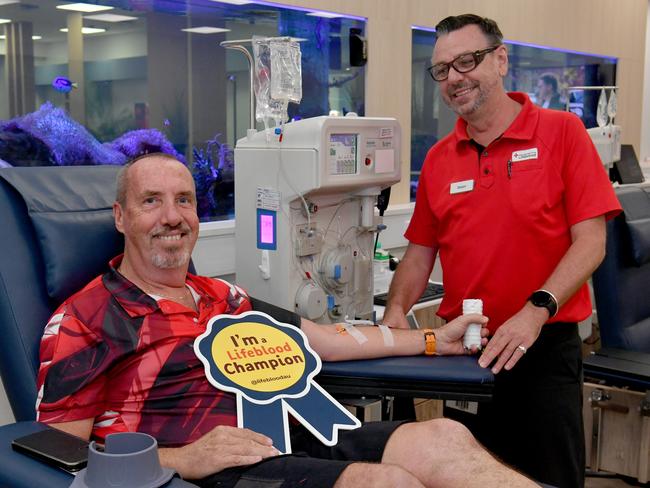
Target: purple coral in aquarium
(69,142)
(49,136)
(205,178)
(138,142)
(19,148)
(214,183)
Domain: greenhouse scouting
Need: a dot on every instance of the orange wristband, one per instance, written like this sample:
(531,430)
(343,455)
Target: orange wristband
(429,342)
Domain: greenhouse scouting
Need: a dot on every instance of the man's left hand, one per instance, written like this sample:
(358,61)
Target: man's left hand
(449,337)
(511,341)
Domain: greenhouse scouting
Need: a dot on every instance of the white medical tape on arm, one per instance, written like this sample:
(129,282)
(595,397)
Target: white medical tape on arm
(387,334)
(355,333)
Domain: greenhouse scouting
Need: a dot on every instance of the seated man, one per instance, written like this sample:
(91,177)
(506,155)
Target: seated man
(118,356)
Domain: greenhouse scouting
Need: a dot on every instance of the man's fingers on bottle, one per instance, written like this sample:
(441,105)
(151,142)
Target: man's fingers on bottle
(475,318)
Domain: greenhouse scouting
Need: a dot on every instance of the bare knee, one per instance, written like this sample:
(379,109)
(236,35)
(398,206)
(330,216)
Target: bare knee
(442,433)
(377,476)
(450,430)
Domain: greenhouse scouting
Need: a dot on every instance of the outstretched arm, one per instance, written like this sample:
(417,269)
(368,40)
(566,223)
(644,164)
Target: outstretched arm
(335,345)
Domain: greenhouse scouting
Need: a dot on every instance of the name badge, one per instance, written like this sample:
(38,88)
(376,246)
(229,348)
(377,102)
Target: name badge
(524,155)
(461,187)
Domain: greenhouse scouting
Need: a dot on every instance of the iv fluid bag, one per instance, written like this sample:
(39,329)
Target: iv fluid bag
(601,112)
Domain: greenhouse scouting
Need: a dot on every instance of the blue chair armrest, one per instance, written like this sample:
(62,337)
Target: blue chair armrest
(21,471)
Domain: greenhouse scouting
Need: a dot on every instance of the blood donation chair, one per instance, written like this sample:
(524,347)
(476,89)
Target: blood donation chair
(622,282)
(57,233)
(618,375)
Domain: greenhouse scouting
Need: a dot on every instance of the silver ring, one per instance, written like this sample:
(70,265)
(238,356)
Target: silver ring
(522,349)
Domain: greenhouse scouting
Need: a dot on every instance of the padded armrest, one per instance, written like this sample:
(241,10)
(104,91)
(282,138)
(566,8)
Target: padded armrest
(620,367)
(21,471)
(456,369)
(445,377)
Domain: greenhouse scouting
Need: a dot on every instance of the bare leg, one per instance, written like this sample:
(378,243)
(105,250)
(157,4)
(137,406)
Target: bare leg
(377,476)
(443,453)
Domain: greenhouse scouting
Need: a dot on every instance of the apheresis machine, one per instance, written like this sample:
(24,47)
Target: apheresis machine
(305,196)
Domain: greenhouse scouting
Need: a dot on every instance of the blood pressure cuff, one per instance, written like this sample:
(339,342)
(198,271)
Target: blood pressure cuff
(278,313)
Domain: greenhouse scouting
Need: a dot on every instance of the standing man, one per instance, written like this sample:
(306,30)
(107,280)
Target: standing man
(515,200)
(547,94)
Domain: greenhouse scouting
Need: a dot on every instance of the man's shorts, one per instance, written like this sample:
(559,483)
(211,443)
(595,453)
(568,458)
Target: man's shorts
(312,463)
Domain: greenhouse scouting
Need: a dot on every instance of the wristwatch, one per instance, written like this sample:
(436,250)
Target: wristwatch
(429,342)
(544,298)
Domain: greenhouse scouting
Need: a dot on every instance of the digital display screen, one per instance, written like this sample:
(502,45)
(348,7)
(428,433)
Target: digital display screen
(267,235)
(343,154)
(266,229)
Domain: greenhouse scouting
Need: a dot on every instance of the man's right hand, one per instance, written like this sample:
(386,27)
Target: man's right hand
(223,447)
(395,318)
(407,284)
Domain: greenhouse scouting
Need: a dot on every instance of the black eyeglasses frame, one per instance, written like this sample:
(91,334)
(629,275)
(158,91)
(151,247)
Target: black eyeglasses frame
(477,56)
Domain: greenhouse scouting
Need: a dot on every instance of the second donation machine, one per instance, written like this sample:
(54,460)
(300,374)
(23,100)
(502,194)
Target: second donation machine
(305,197)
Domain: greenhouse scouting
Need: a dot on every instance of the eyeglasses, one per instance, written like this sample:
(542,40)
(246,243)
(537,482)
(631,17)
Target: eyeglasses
(462,64)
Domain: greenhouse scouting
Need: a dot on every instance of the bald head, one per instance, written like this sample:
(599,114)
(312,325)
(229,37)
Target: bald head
(123,174)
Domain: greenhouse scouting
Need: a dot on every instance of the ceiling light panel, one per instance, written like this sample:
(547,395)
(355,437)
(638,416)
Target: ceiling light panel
(86,30)
(205,30)
(83,7)
(110,18)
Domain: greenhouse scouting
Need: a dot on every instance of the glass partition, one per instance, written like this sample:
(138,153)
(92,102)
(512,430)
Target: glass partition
(544,73)
(116,66)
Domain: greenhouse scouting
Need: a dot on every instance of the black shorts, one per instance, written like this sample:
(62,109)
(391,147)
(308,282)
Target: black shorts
(534,421)
(313,464)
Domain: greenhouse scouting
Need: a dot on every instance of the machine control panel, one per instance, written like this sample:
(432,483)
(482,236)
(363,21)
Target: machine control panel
(343,154)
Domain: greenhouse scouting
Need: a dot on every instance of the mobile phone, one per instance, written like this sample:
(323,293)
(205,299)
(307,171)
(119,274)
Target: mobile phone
(54,447)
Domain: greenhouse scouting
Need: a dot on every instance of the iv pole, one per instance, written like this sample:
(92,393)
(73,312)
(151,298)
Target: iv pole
(238,45)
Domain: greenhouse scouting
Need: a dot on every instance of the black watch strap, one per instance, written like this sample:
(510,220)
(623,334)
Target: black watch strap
(544,298)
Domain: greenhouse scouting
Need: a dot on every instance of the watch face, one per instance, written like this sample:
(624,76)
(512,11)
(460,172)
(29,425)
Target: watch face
(541,299)
(544,299)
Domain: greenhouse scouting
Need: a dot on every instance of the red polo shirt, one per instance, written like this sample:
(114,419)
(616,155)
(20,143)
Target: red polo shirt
(501,239)
(113,353)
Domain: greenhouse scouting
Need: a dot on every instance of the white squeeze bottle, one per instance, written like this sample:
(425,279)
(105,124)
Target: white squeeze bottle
(473,333)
